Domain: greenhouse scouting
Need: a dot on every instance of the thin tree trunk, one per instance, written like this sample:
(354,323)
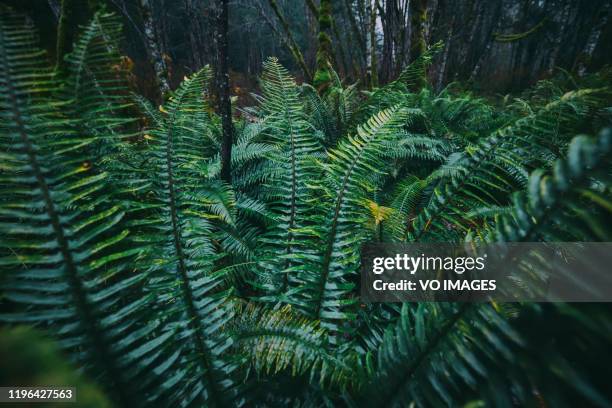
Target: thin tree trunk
(481,58)
(558,37)
(447,47)
(291,44)
(55,7)
(152,46)
(404,24)
(388,24)
(313,8)
(225,104)
(363,15)
(368,43)
(373,66)
(355,28)
(418,45)
(341,52)
(355,55)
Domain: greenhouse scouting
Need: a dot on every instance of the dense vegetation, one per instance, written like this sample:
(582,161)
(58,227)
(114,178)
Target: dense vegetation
(170,287)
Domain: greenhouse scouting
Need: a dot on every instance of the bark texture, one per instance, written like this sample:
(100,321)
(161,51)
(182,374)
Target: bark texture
(373,68)
(225,104)
(152,43)
(322,77)
(418,43)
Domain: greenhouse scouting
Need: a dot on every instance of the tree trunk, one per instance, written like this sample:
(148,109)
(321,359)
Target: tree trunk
(418,13)
(341,53)
(443,62)
(373,67)
(55,6)
(358,37)
(585,57)
(388,24)
(195,34)
(152,45)
(225,104)
(418,18)
(322,77)
(313,8)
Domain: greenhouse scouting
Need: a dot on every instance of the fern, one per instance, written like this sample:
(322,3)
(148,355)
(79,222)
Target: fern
(325,279)
(331,113)
(280,340)
(287,196)
(481,178)
(475,343)
(66,253)
(182,252)
(96,74)
(396,92)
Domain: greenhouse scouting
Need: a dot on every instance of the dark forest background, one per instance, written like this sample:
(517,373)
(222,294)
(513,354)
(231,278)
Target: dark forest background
(494,45)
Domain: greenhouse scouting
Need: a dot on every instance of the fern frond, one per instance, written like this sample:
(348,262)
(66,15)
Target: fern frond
(330,261)
(96,84)
(287,194)
(484,172)
(568,205)
(66,255)
(396,92)
(332,112)
(437,351)
(278,341)
(183,255)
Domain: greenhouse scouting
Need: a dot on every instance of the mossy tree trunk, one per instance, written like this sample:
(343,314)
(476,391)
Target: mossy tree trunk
(322,77)
(340,57)
(418,45)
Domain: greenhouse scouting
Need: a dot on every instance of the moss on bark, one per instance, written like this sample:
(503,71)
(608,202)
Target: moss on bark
(322,77)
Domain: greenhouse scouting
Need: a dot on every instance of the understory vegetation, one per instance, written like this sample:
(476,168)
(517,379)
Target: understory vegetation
(169,287)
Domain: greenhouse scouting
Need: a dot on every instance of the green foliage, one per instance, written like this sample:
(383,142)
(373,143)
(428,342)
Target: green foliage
(286,193)
(67,256)
(395,91)
(331,259)
(332,112)
(431,341)
(171,288)
(184,208)
(279,341)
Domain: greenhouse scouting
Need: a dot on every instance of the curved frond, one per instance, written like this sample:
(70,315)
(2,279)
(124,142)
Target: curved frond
(330,262)
(280,340)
